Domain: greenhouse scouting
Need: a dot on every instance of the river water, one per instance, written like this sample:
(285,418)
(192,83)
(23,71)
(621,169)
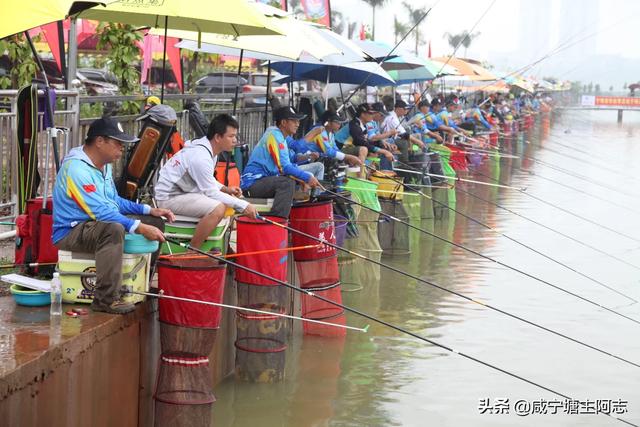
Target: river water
(386,378)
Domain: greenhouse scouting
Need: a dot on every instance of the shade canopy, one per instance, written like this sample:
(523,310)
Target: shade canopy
(233,17)
(19,16)
(359,73)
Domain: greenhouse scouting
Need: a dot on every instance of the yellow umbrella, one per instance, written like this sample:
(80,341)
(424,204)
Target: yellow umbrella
(19,16)
(233,17)
(296,36)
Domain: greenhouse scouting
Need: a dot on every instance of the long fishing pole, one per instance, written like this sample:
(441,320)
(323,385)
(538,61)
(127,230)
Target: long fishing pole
(344,101)
(518,242)
(579,176)
(567,211)
(456,178)
(247,309)
(481,255)
(461,295)
(558,232)
(578,190)
(383,322)
(447,62)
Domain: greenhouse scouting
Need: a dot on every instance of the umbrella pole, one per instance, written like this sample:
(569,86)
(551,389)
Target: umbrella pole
(235,98)
(266,103)
(291,83)
(326,101)
(36,57)
(164,59)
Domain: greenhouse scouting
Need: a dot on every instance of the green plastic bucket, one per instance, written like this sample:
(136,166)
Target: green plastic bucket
(183,231)
(364,192)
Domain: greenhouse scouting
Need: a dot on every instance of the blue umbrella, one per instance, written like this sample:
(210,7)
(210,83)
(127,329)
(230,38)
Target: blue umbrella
(360,73)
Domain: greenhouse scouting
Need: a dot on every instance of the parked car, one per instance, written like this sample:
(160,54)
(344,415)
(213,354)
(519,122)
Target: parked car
(219,82)
(97,82)
(256,88)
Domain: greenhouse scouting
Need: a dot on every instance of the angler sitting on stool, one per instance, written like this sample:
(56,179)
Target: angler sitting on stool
(267,173)
(186,184)
(89,216)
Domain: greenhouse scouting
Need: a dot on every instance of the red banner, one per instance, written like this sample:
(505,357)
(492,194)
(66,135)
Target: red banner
(317,11)
(617,101)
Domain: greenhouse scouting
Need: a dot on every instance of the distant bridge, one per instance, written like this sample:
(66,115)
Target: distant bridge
(619,103)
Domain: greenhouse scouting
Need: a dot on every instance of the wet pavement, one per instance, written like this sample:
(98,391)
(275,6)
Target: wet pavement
(386,378)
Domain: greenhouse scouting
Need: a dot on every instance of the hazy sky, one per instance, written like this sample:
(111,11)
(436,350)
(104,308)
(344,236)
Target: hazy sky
(515,33)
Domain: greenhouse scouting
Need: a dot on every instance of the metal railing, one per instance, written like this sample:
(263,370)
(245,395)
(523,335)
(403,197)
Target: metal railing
(251,121)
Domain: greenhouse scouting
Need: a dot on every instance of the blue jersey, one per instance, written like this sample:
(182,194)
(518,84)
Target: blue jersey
(342,135)
(446,119)
(83,193)
(432,121)
(270,158)
(325,144)
(476,117)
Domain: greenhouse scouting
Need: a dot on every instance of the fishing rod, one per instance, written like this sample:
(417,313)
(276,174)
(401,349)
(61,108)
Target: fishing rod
(577,190)
(579,176)
(344,101)
(524,245)
(456,178)
(565,210)
(247,309)
(435,285)
(383,322)
(481,255)
(560,233)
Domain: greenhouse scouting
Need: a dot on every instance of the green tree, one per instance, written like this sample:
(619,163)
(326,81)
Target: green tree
(625,86)
(461,39)
(597,88)
(415,16)
(22,65)
(399,28)
(122,52)
(374,4)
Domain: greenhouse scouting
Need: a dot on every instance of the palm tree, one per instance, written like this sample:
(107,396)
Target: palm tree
(374,4)
(464,38)
(415,15)
(399,28)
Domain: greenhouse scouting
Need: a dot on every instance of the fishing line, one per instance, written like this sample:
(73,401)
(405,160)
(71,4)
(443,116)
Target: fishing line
(565,210)
(247,309)
(433,284)
(487,226)
(380,321)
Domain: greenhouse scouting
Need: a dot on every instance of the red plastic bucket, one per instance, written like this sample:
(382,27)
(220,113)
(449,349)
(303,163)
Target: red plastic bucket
(199,279)
(458,159)
(255,235)
(315,219)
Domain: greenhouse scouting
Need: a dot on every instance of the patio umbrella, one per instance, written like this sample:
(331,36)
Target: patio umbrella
(360,73)
(232,17)
(296,37)
(377,50)
(18,16)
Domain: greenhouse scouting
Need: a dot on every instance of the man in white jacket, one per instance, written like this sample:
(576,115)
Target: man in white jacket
(186,184)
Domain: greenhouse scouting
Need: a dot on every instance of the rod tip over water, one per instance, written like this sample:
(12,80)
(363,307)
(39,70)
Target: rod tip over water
(366,328)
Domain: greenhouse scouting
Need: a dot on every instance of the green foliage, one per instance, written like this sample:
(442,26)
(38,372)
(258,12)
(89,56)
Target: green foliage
(22,65)
(119,40)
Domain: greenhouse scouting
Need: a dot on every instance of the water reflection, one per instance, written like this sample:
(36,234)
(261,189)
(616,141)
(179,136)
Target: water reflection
(385,378)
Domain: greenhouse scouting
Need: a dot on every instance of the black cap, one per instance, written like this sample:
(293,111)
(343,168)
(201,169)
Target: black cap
(109,127)
(435,101)
(379,108)
(400,104)
(423,103)
(330,116)
(287,113)
(364,108)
